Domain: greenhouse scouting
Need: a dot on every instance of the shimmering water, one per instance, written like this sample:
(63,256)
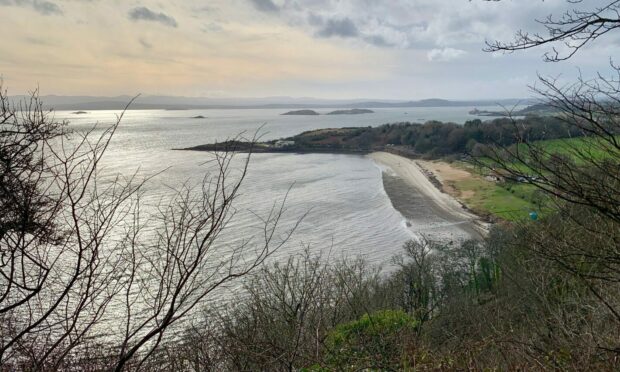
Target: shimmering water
(347,208)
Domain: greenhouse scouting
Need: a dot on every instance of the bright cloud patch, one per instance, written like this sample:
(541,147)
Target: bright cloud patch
(445,54)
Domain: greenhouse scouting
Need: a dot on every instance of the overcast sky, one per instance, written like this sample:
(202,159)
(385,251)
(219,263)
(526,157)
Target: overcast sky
(390,49)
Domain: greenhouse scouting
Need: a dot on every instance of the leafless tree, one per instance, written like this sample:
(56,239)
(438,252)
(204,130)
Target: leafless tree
(585,173)
(574,29)
(83,283)
(281,321)
(580,237)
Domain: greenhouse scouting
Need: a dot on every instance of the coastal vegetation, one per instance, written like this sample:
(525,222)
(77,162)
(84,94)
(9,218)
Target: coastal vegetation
(539,109)
(431,140)
(488,197)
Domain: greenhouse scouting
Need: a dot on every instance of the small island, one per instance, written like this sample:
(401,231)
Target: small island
(351,112)
(79,112)
(198,117)
(301,112)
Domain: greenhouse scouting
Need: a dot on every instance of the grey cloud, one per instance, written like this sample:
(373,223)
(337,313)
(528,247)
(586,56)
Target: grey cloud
(145,44)
(345,28)
(43,7)
(339,27)
(315,20)
(46,7)
(265,5)
(416,24)
(145,14)
(212,27)
(377,40)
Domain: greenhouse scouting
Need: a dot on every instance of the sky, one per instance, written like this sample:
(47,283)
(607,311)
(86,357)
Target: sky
(335,49)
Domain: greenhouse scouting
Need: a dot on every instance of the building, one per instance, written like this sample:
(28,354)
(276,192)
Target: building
(496,176)
(283,143)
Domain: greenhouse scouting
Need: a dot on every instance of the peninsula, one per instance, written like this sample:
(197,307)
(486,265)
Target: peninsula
(432,139)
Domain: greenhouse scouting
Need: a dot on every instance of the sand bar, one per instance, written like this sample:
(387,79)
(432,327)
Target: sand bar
(436,205)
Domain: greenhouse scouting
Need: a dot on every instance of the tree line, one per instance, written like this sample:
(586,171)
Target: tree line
(437,139)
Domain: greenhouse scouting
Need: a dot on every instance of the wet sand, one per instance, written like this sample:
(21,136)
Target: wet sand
(427,209)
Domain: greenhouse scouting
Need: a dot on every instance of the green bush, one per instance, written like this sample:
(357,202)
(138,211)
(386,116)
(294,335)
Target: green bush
(376,341)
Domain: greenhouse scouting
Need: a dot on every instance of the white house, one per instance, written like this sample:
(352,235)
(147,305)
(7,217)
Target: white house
(282,143)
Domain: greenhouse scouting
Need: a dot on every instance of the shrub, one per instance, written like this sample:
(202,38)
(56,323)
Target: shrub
(376,341)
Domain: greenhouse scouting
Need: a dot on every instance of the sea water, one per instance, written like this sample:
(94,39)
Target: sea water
(341,198)
(338,200)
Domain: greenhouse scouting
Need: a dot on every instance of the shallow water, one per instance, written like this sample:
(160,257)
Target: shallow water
(348,211)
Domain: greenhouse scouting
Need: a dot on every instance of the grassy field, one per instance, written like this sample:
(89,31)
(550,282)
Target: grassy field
(511,200)
(508,201)
(576,148)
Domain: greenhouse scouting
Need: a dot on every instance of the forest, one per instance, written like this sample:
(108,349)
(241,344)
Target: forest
(435,139)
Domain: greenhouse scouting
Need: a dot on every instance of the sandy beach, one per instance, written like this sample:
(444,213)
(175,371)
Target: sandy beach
(428,210)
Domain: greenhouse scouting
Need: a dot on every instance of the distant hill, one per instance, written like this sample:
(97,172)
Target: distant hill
(434,102)
(351,112)
(146,102)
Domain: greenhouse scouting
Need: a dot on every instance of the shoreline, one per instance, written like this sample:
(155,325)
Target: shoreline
(259,150)
(415,189)
(416,192)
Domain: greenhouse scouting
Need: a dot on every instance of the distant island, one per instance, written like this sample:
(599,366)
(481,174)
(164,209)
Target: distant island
(301,112)
(337,112)
(351,112)
(80,112)
(198,117)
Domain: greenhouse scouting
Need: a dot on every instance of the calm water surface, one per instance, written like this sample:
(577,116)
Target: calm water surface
(348,212)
